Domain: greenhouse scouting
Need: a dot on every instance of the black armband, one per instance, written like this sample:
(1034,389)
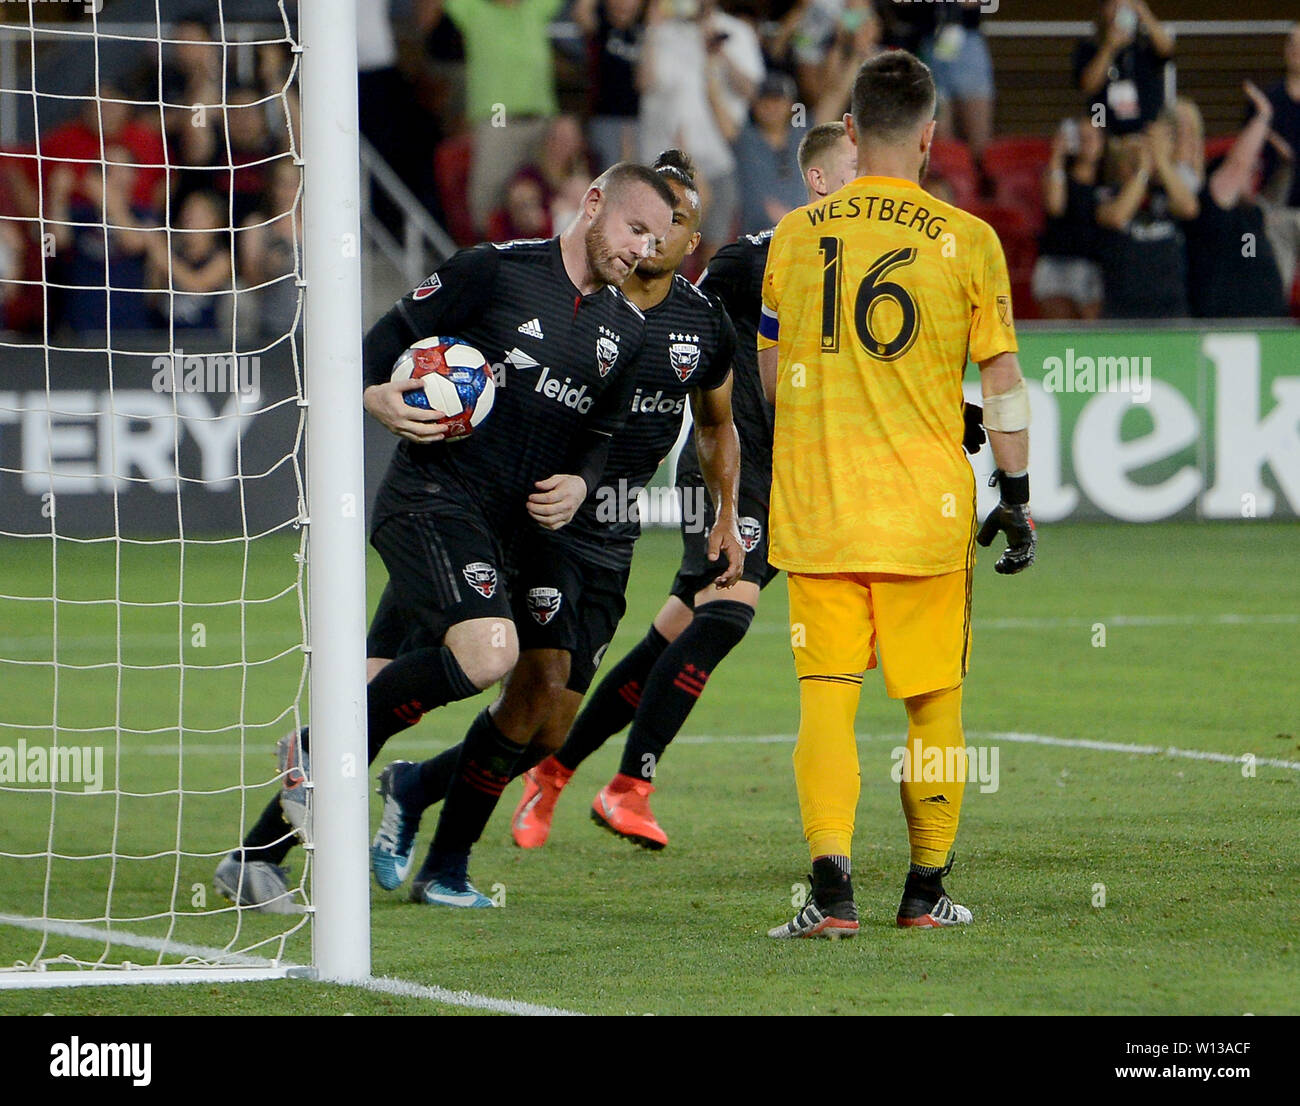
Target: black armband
(1014,489)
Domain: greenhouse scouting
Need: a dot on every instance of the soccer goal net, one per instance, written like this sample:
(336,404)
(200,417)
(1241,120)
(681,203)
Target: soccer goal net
(157,481)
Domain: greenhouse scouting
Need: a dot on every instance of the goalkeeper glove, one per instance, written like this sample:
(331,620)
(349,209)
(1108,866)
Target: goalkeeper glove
(974,435)
(1011,516)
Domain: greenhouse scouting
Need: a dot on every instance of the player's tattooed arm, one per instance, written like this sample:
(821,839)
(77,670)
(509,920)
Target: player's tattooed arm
(718,447)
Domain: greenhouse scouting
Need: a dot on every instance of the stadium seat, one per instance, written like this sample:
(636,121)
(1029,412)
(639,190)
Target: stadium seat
(952,161)
(1018,151)
(451,175)
(1019,236)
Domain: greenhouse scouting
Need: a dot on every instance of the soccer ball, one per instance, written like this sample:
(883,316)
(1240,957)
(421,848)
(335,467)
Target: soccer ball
(456,380)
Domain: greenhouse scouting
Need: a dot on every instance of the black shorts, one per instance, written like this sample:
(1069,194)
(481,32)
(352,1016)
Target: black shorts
(444,566)
(563,602)
(697,571)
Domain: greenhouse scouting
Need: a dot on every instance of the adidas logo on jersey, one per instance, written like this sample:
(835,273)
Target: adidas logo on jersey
(533,328)
(657,403)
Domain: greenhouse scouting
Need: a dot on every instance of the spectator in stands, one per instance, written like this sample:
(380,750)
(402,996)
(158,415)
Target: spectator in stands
(192,82)
(191,67)
(81,143)
(613,29)
(1189,141)
(278,93)
(13,248)
(567,202)
(1282,181)
(523,215)
(1141,245)
(248,151)
(24,303)
(389,115)
(856,36)
(192,265)
(1231,270)
(101,236)
(1121,69)
(510,96)
(767,157)
(531,192)
(963,75)
(270,242)
(699,71)
(1067,279)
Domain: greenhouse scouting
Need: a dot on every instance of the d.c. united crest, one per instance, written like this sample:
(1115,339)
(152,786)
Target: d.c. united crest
(683,354)
(544,604)
(482,577)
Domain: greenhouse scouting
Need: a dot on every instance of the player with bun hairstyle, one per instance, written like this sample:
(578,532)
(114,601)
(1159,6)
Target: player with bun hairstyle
(570,583)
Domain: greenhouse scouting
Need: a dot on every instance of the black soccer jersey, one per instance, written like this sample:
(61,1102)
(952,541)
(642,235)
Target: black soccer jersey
(562,364)
(689,343)
(735,276)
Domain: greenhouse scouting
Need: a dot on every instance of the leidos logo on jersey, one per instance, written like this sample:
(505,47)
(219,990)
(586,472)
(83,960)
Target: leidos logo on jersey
(482,577)
(606,349)
(544,604)
(684,354)
(565,393)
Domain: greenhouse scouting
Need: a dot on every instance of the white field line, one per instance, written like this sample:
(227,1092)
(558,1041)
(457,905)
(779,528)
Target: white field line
(1019,739)
(193,749)
(385,985)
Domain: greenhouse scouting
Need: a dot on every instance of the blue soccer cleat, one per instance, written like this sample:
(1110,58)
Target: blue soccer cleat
(450,887)
(390,852)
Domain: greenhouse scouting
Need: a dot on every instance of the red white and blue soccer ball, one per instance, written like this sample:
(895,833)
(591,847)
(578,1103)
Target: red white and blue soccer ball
(457,380)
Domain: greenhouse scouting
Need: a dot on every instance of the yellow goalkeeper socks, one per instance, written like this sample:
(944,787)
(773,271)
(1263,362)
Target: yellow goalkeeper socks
(826,762)
(934,775)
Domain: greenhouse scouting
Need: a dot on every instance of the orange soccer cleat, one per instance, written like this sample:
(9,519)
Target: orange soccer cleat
(623,807)
(531,825)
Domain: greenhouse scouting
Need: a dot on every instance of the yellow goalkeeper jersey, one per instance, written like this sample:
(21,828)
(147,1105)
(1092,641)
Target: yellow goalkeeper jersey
(874,297)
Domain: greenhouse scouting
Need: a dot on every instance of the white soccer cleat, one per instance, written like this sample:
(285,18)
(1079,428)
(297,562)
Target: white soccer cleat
(295,775)
(943,913)
(256,885)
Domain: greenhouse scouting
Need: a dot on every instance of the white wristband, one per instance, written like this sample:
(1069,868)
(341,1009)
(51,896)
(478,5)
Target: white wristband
(1008,411)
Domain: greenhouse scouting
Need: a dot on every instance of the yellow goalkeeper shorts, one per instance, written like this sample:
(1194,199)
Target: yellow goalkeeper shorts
(918,625)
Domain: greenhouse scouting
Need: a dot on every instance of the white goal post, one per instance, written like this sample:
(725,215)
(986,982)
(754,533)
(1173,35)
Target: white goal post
(271,608)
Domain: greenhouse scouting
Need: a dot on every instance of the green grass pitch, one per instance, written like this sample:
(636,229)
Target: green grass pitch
(1199,858)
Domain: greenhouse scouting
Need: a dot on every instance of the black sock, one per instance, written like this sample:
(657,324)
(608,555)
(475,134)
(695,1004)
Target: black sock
(271,837)
(410,686)
(436,774)
(677,680)
(831,884)
(486,764)
(613,704)
(434,778)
